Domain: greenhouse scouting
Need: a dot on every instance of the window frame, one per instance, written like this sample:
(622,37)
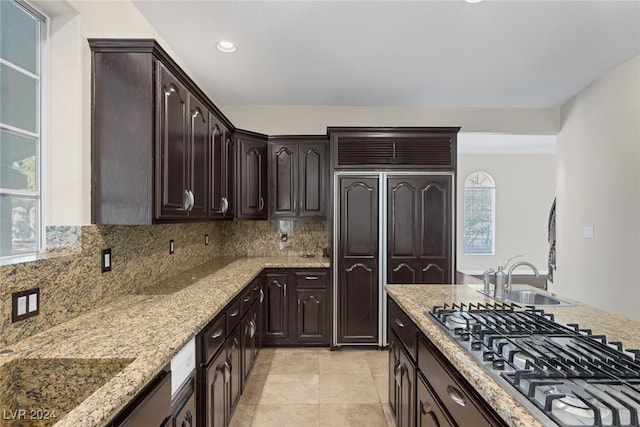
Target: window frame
(492,188)
(42,75)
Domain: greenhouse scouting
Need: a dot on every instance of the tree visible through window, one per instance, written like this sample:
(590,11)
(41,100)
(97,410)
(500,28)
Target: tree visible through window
(21,42)
(479,216)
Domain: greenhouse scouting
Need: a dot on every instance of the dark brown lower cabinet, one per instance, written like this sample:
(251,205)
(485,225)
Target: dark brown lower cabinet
(424,387)
(296,307)
(428,410)
(234,359)
(276,308)
(151,407)
(217,391)
(402,387)
(249,342)
(184,408)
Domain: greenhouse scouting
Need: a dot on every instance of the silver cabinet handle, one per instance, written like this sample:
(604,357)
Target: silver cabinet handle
(225,205)
(217,334)
(247,298)
(252,328)
(299,305)
(399,323)
(192,200)
(425,409)
(311,277)
(285,289)
(234,313)
(261,295)
(261,204)
(227,372)
(455,395)
(186,200)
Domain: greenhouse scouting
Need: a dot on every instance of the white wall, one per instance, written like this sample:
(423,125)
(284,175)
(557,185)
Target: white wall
(68,179)
(525,188)
(598,173)
(306,119)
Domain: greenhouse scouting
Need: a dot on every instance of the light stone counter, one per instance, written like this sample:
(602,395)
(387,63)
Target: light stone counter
(416,299)
(140,332)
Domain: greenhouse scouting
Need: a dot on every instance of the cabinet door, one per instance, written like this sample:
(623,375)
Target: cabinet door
(405,409)
(221,161)
(172,179)
(252,173)
(312,180)
(217,391)
(276,308)
(234,359)
(249,342)
(198,160)
(311,316)
(186,414)
(283,180)
(358,287)
(428,410)
(419,229)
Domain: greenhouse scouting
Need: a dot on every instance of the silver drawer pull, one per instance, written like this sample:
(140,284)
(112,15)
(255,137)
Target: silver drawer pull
(311,277)
(455,395)
(234,313)
(399,323)
(217,334)
(247,299)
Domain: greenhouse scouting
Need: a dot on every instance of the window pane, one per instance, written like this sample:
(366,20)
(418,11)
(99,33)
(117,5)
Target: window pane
(18,99)
(17,162)
(18,225)
(18,36)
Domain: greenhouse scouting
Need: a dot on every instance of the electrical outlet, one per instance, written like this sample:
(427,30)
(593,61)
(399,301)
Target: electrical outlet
(172,247)
(284,237)
(25,304)
(106,260)
(206,239)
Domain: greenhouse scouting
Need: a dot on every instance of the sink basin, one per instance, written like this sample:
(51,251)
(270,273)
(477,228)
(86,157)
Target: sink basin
(47,389)
(528,297)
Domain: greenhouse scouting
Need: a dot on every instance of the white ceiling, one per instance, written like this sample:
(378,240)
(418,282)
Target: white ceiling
(398,53)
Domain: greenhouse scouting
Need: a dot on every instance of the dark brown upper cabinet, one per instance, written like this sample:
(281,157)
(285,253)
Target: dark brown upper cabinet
(251,175)
(222,178)
(183,140)
(394,147)
(298,171)
(150,143)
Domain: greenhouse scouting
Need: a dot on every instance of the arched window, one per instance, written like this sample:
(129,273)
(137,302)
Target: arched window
(479,214)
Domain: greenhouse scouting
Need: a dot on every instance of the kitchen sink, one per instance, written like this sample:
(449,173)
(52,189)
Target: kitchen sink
(528,297)
(41,391)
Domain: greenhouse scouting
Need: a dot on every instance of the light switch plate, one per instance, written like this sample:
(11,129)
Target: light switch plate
(588,232)
(106,260)
(25,304)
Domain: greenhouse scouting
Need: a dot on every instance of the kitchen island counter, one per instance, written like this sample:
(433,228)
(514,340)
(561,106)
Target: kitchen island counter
(416,299)
(146,329)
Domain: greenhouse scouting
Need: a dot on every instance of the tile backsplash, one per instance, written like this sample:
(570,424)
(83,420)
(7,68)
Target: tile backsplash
(70,277)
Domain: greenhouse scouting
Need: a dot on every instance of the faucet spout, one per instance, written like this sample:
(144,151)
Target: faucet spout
(486,280)
(516,265)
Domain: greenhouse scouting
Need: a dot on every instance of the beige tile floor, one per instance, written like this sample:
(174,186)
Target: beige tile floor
(305,387)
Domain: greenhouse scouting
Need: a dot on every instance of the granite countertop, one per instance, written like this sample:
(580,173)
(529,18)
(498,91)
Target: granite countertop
(416,299)
(137,335)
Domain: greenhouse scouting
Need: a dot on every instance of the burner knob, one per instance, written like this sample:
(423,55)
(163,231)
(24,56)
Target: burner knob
(476,345)
(465,336)
(488,355)
(458,330)
(498,364)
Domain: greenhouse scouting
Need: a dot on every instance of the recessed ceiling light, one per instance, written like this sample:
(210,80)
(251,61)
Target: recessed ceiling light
(226,46)
(473,1)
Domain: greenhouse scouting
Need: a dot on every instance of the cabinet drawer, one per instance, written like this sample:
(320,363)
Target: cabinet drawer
(406,330)
(233,315)
(213,337)
(311,279)
(456,396)
(246,299)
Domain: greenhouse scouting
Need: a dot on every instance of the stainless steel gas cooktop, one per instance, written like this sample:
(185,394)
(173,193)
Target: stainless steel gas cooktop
(566,375)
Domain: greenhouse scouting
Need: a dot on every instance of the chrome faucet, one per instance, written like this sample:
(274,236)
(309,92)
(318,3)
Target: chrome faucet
(501,278)
(513,267)
(486,280)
